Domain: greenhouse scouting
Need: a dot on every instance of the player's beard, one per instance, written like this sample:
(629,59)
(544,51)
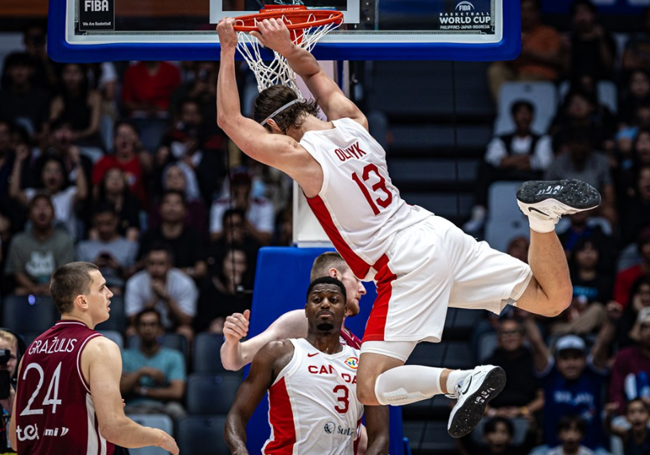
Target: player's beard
(325,326)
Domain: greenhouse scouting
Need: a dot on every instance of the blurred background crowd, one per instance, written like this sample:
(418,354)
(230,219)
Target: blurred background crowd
(122,164)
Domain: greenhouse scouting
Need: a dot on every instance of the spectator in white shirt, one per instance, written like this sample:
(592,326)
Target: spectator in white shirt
(259,211)
(165,288)
(520,155)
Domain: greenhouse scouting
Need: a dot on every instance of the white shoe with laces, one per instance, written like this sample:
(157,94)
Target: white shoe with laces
(473,394)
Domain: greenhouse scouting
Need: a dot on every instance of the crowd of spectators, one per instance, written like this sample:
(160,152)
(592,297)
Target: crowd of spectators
(123,165)
(583,376)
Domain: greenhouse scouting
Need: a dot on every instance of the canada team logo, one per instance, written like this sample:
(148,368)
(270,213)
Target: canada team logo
(352,362)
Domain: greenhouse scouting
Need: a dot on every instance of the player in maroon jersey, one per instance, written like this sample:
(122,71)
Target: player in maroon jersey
(68,395)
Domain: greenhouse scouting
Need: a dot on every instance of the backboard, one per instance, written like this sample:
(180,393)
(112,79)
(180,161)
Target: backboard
(101,30)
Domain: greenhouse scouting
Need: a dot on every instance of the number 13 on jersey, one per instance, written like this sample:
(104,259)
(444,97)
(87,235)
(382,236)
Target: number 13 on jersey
(378,187)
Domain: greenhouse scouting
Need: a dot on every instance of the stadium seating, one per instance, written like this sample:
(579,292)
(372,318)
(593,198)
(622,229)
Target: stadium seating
(206,354)
(542,95)
(200,435)
(505,221)
(160,421)
(211,394)
(28,314)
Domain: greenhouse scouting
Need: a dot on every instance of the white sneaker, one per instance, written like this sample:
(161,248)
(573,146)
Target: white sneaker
(550,199)
(473,395)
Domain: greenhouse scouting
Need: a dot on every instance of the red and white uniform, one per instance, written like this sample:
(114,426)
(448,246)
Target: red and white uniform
(358,206)
(54,409)
(313,405)
(422,264)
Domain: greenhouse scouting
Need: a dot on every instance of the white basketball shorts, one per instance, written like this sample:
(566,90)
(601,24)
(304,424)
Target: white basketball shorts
(431,266)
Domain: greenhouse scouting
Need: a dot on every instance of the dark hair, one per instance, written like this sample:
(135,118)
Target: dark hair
(644,235)
(568,422)
(36,198)
(519,104)
(326,261)
(10,125)
(578,136)
(101,196)
(19,59)
(59,123)
(538,3)
(327,280)
(234,211)
(178,193)
(276,96)
(161,246)
(580,244)
(139,315)
(642,130)
(68,281)
(104,207)
(127,123)
(636,400)
(574,6)
(491,425)
(84,86)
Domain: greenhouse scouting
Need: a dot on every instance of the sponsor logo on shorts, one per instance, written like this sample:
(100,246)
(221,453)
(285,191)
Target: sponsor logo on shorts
(352,362)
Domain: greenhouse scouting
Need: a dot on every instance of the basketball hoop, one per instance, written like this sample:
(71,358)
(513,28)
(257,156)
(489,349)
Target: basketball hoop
(306,27)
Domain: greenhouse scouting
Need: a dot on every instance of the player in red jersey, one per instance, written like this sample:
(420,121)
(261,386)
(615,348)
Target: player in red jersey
(68,394)
(422,263)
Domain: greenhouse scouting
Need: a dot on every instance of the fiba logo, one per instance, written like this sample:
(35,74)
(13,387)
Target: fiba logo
(96,5)
(352,362)
(329,428)
(464,6)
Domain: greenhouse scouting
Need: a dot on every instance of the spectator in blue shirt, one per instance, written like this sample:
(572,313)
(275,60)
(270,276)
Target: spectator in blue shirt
(573,380)
(153,378)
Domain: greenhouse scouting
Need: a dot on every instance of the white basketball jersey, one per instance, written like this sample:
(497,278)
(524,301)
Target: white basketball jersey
(358,206)
(313,405)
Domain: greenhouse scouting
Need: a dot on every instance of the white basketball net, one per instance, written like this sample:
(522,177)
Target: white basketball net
(278,71)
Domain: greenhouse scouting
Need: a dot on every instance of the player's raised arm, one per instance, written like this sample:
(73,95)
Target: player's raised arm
(266,365)
(275,35)
(235,354)
(279,151)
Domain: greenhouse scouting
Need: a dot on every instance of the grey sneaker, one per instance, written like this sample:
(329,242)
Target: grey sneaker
(550,199)
(473,395)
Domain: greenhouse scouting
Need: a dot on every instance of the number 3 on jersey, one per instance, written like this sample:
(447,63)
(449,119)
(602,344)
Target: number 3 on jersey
(379,186)
(52,395)
(342,398)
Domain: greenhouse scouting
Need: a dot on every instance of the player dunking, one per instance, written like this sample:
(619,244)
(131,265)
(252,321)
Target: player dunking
(422,263)
(68,395)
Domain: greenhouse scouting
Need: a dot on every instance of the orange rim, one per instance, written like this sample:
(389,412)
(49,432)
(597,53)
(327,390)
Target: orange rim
(299,12)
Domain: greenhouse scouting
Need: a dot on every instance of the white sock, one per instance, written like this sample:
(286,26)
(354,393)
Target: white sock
(455,378)
(408,384)
(542,226)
